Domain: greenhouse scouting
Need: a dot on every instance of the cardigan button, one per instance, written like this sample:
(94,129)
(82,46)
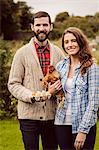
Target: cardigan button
(40,79)
(41,118)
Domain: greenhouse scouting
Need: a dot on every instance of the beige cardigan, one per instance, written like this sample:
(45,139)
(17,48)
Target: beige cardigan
(25,78)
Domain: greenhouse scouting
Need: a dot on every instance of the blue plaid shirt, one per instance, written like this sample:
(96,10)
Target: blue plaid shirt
(84,98)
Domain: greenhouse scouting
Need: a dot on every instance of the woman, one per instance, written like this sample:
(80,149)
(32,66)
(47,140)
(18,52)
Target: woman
(75,121)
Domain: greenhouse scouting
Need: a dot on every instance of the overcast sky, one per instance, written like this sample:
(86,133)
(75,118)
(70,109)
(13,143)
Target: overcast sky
(73,7)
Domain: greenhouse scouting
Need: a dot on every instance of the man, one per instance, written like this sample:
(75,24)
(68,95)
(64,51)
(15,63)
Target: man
(29,66)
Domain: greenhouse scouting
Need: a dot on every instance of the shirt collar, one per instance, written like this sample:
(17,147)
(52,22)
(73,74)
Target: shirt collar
(67,60)
(37,46)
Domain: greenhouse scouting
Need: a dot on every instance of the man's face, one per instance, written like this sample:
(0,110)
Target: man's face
(41,28)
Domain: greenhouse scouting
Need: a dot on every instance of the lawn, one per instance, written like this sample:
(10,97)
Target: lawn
(10,136)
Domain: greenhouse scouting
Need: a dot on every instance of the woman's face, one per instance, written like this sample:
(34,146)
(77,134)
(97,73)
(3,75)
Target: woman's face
(70,44)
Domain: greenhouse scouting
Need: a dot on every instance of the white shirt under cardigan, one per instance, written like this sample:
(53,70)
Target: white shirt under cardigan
(68,87)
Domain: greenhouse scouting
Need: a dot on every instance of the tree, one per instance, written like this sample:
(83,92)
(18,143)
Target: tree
(96,22)
(89,24)
(61,17)
(14,16)
(25,15)
(9,22)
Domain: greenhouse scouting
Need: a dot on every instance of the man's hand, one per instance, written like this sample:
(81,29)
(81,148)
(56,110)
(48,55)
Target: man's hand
(40,96)
(80,140)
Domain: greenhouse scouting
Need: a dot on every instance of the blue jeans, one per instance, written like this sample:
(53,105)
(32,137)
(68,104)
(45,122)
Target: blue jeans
(66,139)
(31,129)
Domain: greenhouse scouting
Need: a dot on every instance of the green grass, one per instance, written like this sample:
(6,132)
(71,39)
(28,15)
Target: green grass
(10,136)
(97,138)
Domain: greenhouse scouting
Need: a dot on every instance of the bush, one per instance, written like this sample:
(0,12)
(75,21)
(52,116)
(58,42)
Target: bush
(8,112)
(5,62)
(55,34)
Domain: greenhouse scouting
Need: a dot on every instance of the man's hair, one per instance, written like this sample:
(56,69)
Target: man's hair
(41,14)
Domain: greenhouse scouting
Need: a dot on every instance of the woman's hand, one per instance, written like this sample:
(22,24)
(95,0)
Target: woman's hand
(80,140)
(54,87)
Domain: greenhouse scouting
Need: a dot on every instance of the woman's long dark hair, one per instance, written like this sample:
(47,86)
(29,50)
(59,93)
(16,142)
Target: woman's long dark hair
(84,54)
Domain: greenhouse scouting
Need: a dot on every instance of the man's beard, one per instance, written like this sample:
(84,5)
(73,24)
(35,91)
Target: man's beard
(41,36)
